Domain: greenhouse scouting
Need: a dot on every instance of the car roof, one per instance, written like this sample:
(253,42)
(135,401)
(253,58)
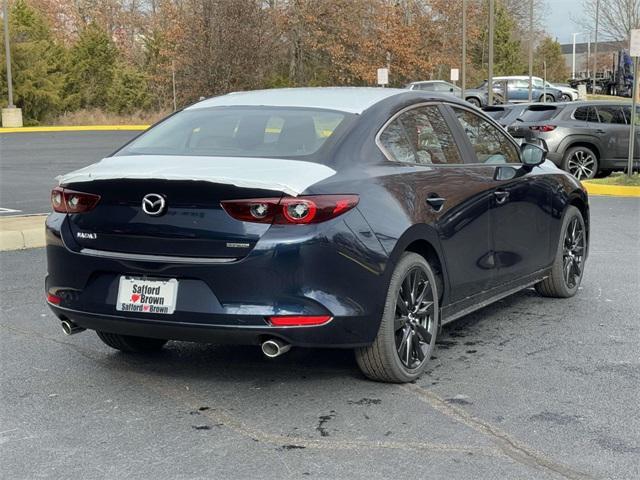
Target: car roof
(515,77)
(345,99)
(429,81)
(595,103)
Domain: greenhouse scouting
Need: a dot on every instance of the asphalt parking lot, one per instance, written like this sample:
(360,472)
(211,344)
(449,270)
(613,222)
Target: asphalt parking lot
(528,388)
(31,161)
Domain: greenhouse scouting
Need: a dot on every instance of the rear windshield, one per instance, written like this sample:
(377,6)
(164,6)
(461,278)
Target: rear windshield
(538,114)
(239,132)
(496,113)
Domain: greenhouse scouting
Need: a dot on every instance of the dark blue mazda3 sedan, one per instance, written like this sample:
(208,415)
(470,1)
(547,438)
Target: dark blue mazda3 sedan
(361,218)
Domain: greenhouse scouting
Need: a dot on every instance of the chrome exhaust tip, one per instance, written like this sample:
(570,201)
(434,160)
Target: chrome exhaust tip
(273,348)
(70,328)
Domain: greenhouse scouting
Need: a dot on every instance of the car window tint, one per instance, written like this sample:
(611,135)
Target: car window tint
(489,142)
(627,114)
(586,114)
(430,136)
(538,114)
(611,114)
(396,143)
(424,86)
(239,132)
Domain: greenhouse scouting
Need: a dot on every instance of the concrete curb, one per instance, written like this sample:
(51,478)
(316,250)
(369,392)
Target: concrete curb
(81,128)
(611,190)
(21,232)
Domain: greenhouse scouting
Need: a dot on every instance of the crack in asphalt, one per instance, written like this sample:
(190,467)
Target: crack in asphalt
(509,446)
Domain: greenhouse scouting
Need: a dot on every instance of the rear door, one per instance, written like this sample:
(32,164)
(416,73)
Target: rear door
(520,201)
(613,131)
(447,194)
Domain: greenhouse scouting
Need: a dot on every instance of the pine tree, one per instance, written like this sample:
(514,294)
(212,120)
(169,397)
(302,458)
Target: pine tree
(549,51)
(37,65)
(92,63)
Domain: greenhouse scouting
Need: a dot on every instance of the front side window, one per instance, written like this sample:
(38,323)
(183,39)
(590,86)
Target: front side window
(239,132)
(490,143)
(425,132)
(611,114)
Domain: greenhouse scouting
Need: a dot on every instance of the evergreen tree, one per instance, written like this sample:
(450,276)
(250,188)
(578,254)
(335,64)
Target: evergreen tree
(549,51)
(37,65)
(129,91)
(92,63)
(508,56)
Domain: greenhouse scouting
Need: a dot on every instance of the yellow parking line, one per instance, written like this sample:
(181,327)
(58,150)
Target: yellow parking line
(612,190)
(81,128)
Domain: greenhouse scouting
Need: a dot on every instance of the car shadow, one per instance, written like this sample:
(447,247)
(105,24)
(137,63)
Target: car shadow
(233,363)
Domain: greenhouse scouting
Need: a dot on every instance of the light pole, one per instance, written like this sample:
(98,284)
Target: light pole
(530,50)
(11,116)
(573,60)
(464,48)
(491,28)
(7,49)
(595,47)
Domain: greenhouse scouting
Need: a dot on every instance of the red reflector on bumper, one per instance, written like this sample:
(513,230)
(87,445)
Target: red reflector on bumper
(53,299)
(299,321)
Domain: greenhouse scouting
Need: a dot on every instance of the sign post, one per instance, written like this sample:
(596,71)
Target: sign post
(455,75)
(383,76)
(634,51)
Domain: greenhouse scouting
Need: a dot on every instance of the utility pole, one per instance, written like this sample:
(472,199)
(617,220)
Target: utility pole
(7,49)
(595,47)
(491,32)
(530,50)
(464,47)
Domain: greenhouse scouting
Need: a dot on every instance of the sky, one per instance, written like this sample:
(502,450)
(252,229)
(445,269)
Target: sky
(559,19)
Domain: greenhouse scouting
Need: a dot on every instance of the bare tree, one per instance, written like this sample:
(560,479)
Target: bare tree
(617,18)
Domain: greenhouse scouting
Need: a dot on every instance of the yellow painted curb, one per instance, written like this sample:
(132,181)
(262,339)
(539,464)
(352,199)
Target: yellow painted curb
(80,128)
(611,190)
(20,232)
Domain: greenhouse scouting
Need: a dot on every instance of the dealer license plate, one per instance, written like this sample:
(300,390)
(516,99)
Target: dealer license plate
(147,296)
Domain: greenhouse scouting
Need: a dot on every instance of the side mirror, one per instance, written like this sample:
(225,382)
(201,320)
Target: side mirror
(532,155)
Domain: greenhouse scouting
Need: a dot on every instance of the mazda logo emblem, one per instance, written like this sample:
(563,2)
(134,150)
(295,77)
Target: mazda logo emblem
(153,204)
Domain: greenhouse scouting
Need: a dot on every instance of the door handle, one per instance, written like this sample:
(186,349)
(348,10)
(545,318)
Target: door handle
(601,131)
(436,202)
(501,196)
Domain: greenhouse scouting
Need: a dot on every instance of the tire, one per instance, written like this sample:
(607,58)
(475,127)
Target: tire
(568,266)
(581,162)
(127,343)
(474,101)
(400,325)
(566,97)
(550,98)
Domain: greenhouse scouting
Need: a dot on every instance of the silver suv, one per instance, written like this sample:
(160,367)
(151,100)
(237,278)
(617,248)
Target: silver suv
(583,138)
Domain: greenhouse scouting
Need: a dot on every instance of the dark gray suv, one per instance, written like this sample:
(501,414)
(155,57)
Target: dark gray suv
(583,138)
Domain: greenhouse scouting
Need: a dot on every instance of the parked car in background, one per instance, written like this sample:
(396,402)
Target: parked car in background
(583,138)
(517,88)
(568,94)
(478,97)
(359,218)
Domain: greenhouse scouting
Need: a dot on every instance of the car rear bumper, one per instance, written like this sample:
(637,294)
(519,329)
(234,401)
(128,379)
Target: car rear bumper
(307,274)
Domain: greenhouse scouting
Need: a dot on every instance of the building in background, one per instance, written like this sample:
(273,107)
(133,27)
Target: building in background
(607,55)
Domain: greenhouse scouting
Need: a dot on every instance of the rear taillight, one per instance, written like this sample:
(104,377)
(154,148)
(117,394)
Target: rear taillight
(51,298)
(542,128)
(299,321)
(290,210)
(64,200)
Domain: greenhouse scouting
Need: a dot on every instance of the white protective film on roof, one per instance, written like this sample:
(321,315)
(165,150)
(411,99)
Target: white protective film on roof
(288,176)
(345,99)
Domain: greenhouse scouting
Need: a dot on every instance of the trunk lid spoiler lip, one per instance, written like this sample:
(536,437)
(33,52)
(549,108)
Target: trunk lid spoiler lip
(291,177)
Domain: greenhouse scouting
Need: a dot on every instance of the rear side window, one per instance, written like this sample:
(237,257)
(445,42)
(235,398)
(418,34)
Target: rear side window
(539,114)
(586,114)
(424,132)
(490,143)
(239,132)
(496,113)
(611,114)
